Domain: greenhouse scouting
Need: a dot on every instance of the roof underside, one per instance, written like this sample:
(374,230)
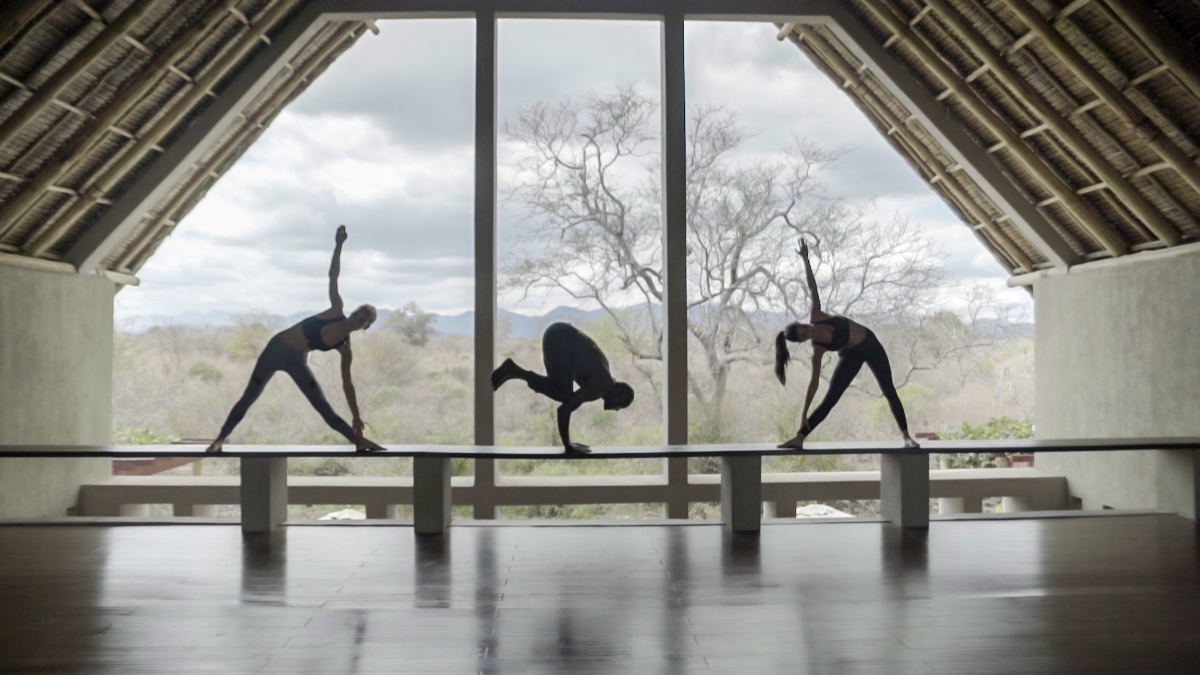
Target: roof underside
(1089,110)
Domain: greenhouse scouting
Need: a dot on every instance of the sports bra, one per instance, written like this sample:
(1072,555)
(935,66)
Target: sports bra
(312,332)
(841,333)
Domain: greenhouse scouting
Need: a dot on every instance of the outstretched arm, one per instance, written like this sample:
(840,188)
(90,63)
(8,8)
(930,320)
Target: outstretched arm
(348,387)
(812,280)
(335,268)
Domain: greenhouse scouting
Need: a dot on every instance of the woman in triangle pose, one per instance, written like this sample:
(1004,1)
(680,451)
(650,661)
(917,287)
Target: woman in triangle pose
(855,345)
(288,352)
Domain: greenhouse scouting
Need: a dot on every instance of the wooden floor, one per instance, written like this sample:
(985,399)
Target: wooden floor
(1103,594)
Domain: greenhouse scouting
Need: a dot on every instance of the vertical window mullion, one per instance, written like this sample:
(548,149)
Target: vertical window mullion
(485,255)
(674,258)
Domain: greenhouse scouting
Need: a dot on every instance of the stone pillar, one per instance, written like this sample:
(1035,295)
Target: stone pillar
(741,493)
(264,493)
(904,488)
(431,495)
(56,346)
(1118,357)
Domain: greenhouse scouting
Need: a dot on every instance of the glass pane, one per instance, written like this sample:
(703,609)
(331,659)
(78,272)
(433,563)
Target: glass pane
(579,226)
(382,143)
(777,151)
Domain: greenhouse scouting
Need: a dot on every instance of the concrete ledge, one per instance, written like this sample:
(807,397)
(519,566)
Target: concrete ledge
(1042,490)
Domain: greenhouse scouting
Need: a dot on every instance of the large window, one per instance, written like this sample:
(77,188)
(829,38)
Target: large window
(383,143)
(580,231)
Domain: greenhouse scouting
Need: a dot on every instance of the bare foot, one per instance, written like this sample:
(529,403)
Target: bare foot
(216,446)
(367,445)
(796,441)
(578,449)
(507,371)
(910,443)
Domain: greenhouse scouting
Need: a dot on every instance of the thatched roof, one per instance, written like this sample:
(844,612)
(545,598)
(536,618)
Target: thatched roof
(1090,110)
(91,92)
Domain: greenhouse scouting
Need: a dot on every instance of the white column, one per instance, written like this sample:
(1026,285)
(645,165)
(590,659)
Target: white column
(950,505)
(264,493)
(431,495)
(904,489)
(1017,504)
(674,260)
(485,257)
(741,493)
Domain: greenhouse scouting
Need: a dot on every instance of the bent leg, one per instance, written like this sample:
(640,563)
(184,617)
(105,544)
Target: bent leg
(304,378)
(843,374)
(877,361)
(558,382)
(556,390)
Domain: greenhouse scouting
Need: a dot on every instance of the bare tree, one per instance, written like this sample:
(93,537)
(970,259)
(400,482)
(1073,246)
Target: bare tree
(587,178)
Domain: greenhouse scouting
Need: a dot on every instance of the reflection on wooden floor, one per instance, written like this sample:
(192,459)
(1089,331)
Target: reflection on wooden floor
(1105,594)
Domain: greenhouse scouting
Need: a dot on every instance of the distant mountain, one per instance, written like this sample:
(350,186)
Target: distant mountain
(519,325)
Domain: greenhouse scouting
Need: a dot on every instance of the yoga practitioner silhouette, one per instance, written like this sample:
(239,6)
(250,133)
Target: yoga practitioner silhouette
(571,358)
(855,345)
(288,351)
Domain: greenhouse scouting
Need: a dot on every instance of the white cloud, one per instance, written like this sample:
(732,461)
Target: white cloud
(383,143)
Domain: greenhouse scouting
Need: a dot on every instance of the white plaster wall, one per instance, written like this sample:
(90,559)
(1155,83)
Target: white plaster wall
(1118,355)
(56,345)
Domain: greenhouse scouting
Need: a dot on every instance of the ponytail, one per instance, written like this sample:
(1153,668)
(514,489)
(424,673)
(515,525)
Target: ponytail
(781,357)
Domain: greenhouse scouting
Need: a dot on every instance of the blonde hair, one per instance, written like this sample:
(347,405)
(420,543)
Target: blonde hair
(369,310)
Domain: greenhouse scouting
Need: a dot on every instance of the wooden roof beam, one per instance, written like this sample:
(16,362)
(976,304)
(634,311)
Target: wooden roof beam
(1161,39)
(17,15)
(847,73)
(58,82)
(106,120)
(166,171)
(953,137)
(1120,104)
(1032,99)
(269,109)
(1088,217)
(134,153)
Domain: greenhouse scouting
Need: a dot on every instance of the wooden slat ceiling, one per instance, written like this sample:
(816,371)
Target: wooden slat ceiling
(92,90)
(1090,108)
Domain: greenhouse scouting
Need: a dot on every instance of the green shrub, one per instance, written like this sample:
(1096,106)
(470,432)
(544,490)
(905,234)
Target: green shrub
(205,372)
(141,436)
(997,428)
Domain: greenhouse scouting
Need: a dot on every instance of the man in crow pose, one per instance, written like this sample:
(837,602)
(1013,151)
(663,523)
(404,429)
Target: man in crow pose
(571,358)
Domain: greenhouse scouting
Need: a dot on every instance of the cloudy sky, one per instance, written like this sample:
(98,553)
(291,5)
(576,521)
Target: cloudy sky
(382,142)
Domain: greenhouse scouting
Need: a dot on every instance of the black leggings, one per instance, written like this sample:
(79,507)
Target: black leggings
(850,361)
(558,384)
(276,357)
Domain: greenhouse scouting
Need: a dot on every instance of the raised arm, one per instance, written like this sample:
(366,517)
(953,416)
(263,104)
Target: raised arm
(808,275)
(335,268)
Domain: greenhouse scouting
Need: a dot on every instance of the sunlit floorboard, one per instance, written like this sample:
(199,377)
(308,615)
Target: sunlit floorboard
(1105,594)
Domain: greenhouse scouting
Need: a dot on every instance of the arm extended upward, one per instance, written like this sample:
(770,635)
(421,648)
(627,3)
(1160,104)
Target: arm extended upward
(335,269)
(812,280)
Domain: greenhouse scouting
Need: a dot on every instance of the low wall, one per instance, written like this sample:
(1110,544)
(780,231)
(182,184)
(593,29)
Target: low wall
(56,345)
(1118,355)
